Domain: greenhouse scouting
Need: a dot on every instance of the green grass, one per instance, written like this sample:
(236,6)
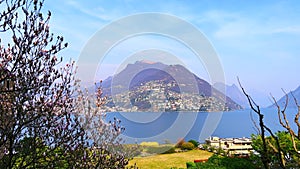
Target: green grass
(166,161)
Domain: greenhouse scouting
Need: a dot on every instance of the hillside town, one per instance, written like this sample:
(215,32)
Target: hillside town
(157,96)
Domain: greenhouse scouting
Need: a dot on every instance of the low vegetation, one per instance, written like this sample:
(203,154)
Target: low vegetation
(154,155)
(194,142)
(222,162)
(187,146)
(167,161)
(153,148)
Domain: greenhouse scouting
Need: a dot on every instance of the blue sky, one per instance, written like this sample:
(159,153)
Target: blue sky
(259,41)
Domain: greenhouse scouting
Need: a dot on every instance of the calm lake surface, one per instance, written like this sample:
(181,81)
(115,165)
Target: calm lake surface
(147,126)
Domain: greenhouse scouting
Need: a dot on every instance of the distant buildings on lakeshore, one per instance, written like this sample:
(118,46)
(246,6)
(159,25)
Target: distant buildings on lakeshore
(231,146)
(157,96)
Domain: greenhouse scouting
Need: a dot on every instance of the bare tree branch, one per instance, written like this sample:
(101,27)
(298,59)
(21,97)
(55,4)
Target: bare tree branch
(296,119)
(265,157)
(255,124)
(285,123)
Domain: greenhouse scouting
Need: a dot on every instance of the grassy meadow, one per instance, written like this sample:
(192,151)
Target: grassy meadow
(167,161)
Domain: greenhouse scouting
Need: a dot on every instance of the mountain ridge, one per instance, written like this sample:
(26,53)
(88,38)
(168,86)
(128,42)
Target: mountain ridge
(291,102)
(234,93)
(154,86)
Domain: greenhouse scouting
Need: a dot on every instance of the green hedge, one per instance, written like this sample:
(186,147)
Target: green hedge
(196,143)
(187,146)
(220,162)
(160,149)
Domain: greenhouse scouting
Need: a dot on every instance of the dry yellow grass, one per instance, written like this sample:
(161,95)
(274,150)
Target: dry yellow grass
(166,161)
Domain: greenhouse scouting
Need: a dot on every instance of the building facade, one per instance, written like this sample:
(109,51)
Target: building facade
(232,146)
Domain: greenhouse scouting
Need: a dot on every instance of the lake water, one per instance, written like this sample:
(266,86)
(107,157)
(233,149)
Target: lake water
(147,126)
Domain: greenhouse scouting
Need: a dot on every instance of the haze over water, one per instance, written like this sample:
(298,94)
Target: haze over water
(234,124)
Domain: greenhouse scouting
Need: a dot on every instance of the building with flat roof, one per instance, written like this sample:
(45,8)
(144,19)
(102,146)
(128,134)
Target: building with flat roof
(232,146)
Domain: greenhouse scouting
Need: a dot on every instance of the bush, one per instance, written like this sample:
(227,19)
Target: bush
(205,146)
(149,144)
(170,150)
(132,150)
(179,143)
(190,165)
(187,146)
(160,149)
(196,143)
(220,162)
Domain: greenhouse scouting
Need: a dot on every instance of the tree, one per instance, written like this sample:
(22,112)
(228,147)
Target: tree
(37,129)
(289,155)
(281,112)
(103,146)
(179,143)
(187,146)
(46,121)
(196,143)
(279,149)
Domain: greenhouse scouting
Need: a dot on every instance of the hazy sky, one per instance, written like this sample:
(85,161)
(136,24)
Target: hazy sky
(259,41)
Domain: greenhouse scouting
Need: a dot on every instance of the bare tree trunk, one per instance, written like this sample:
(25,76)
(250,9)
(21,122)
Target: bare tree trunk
(284,121)
(265,157)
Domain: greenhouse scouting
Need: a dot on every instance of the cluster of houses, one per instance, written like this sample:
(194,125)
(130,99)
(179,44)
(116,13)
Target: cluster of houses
(231,146)
(158,96)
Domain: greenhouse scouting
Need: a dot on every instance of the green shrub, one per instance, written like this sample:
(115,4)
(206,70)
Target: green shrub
(205,146)
(160,149)
(153,150)
(170,150)
(220,162)
(196,143)
(190,165)
(187,146)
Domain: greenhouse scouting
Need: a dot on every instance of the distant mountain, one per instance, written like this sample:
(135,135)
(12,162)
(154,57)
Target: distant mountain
(291,102)
(154,86)
(234,93)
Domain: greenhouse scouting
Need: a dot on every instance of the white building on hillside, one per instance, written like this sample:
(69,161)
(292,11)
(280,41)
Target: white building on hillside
(233,146)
